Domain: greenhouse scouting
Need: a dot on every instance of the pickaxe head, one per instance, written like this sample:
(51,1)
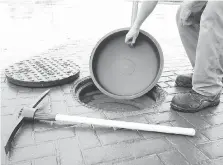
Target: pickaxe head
(26,113)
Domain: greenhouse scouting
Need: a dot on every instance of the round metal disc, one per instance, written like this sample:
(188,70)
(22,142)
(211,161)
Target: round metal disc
(42,72)
(125,72)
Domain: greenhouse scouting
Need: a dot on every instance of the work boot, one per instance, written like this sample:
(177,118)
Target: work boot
(193,102)
(184,80)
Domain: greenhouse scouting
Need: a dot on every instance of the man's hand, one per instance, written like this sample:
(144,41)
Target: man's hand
(146,8)
(131,36)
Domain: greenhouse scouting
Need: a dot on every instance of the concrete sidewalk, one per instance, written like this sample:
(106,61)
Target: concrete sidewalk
(57,144)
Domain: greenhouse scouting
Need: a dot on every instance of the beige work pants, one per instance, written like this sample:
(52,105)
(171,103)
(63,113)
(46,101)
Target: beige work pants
(203,42)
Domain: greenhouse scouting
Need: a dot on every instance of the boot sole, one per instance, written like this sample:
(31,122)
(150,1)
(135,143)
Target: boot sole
(179,109)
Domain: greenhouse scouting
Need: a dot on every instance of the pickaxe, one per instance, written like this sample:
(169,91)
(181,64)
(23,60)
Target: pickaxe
(31,113)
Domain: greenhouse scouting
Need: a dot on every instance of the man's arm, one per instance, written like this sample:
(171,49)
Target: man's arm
(145,10)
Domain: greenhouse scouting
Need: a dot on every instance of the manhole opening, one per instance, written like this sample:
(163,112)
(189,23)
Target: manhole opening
(89,95)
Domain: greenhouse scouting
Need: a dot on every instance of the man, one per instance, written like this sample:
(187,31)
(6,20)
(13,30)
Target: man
(200,25)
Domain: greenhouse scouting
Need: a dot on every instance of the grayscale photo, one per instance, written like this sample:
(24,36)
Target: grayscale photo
(111,82)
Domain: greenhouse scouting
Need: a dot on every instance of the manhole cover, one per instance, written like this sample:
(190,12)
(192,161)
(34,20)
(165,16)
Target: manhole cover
(42,72)
(89,95)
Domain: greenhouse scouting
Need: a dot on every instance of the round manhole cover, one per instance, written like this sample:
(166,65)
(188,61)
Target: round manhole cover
(42,72)
(89,95)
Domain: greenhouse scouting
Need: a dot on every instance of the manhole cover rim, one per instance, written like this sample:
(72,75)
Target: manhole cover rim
(15,79)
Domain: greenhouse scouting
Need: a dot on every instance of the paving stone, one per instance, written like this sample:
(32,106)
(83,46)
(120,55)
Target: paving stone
(70,101)
(149,147)
(57,95)
(3,79)
(213,162)
(84,134)
(214,119)
(196,121)
(6,103)
(181,122)
(24,136)
(6,84)
(169,69)
(23,163)
(218,161)
(164,79)
(213,149)
(136,119)
(23,90)
(23,101)
(70,152)
(163,84)
(198,138)
(51,160)
(95,114)
(59,107)
(215,110)
(111,115)
(7,110)
(9,93)
(32,152)
(162,117)
(25,94)
(117,136)
(67,88)
(187,149)
(221,98)
(153,160)
(8,121)
(54,134)
(182,72)
(173,158)
(171,84)
(79,110)
(214,133)
(207,112)
(154,135)
(168,99)
(165,74)
(123,150)
(206,162)
(164,107)
(173,78)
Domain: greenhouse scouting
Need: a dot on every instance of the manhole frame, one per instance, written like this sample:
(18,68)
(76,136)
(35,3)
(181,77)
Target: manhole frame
(80,83)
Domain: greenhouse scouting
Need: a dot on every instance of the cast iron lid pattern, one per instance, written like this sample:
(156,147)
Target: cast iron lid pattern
(125,72)
(87,94)
(42,72)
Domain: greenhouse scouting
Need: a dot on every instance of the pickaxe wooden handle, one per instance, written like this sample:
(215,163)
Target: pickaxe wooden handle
(126,125)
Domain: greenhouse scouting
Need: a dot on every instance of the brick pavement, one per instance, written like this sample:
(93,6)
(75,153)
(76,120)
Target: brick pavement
(41,143)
